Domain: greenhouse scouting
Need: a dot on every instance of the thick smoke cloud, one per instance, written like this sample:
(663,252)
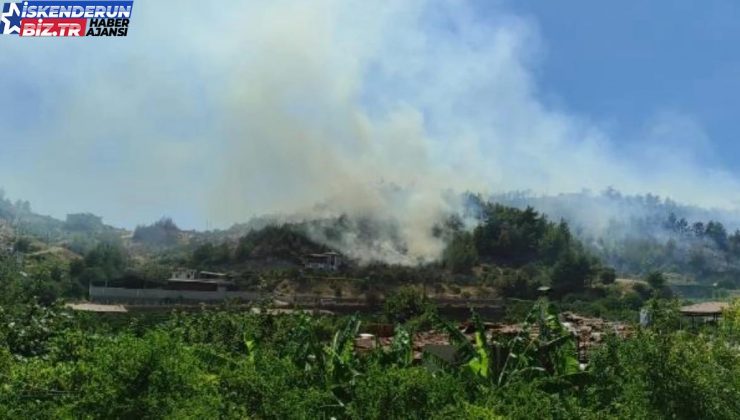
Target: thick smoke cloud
(378,109)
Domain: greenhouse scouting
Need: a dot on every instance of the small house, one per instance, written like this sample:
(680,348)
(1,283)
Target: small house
(205,281)
(330,261)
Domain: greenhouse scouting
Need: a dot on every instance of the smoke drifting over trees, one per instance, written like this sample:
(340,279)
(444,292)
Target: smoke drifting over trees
(383,111)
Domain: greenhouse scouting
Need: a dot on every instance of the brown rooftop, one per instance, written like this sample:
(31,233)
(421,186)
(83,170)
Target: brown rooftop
(704,309)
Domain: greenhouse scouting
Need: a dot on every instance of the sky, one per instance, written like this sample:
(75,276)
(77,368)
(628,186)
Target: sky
(625,62)
(212,115)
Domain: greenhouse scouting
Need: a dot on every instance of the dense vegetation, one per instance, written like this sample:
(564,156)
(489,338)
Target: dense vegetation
(538,252)
(232,363)
(702,251)
(228,364)
(498,252)
(639,234)
(163,232)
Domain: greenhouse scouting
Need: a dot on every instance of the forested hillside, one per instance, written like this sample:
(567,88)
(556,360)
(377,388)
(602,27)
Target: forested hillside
(232,361)
(490,250)
(639,234)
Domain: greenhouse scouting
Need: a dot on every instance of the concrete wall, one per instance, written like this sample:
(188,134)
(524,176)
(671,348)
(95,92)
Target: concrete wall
(154,296)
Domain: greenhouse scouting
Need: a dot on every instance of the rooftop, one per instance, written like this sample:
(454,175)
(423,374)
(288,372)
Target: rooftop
(704,308)
(213,273)
(202,281)
(323,254)
(96,307)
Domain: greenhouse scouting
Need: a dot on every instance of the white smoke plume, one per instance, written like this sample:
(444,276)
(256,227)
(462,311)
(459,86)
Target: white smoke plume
(381,109)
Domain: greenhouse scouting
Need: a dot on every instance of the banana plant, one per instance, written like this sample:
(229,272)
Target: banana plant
(400,353)
(543,348)
(251,347)
(307,351)
(340,362)
(402,348)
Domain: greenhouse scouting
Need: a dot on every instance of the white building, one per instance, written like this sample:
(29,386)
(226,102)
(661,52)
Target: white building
(325,261)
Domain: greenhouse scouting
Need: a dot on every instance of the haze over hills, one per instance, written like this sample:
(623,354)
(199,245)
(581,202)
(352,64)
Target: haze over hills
(637,234)
(394,105)
(634,234)
(375,210)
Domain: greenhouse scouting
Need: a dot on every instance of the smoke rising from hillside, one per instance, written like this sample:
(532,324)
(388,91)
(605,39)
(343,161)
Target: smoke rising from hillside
(378,109)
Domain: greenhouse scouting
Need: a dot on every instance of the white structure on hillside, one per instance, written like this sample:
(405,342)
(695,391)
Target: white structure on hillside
(184,286)
(326,261)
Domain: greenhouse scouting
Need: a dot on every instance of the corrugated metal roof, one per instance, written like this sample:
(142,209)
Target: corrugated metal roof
(96,307)
(704,308)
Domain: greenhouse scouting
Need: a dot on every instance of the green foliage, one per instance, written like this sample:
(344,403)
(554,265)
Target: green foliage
(572,272)
(226,364)
(461,256)
(509,233)
(396,393)
(660,375)
(404,304)
(285,242)
(548,355)
(517,283)
(209,255)
(702,250)
(44,281)
(520,236)
(163,232)
(22,244)
(84,222)
(27,330)
(103,264)
(613,305)
(655,279)
(607,276)
(517,239)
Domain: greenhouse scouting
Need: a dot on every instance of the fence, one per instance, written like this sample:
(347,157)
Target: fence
(164,296)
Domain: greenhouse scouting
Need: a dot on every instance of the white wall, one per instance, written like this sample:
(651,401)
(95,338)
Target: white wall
(117,294)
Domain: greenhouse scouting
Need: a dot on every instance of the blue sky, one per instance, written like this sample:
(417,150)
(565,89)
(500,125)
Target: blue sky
(624,61)
(274,106)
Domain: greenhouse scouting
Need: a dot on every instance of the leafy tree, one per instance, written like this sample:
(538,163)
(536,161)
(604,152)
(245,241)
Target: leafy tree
(717,233)
(285,242)
(85,222)
(461,255)
(508,233)
(517,284)
(164,232)
(656,280)
(208,255)
(571,273)
(555,242)
(22,244)
(105,263)
(607,275)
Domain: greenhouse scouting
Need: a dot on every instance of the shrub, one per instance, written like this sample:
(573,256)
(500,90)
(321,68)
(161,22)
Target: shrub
(412,393)
(404,304)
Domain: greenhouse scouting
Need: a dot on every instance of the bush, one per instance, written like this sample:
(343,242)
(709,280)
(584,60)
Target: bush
(517,284)
(571,273)
(655,279)
(461,255)
(404,304)
(164,232)
(234,365)
(22,244)
(411,393)
(607,275)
